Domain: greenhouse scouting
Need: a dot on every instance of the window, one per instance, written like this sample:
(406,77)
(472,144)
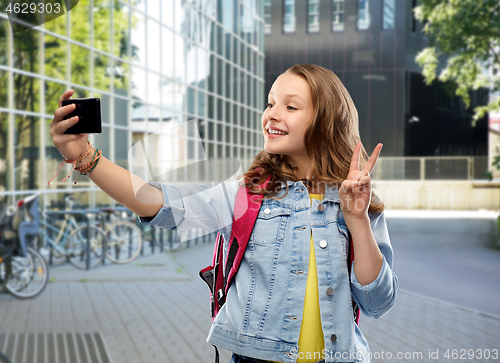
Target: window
(338,16)
(267,16)
(413,18)
(388,14)
(363,15)
(289,16)
(313,16)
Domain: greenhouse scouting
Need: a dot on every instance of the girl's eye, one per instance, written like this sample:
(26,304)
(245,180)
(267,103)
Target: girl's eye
(268,105)
(291,108)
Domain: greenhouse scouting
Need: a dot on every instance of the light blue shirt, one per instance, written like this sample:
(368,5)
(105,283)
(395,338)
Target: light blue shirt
(263,311)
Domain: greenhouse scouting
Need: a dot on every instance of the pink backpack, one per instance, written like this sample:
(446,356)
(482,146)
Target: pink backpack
(220,274)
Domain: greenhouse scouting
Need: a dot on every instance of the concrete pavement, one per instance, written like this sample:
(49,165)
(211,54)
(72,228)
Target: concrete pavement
(448,255)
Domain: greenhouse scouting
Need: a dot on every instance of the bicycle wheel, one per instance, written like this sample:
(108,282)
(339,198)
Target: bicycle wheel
(45,250)
(58,258)
(54,246)
(29,275)
(4,266)
(76,248)
(124,241)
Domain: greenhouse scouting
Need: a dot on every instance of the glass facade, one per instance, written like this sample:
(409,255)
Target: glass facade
(378,69)
(414,4)
(313,16)
(267,16)
(152,63)
(338,16)
(388,14)
(289,19)
(363,14)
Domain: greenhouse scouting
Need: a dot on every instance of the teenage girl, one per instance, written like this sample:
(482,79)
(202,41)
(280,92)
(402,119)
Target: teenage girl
(293,296)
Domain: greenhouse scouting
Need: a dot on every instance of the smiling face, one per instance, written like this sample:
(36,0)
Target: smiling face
(288,113)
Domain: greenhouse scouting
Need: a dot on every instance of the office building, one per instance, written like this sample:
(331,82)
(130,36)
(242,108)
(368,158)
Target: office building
(371,45)
(152,63)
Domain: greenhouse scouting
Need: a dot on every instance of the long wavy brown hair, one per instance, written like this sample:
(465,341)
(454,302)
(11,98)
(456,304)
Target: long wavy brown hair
(330,139)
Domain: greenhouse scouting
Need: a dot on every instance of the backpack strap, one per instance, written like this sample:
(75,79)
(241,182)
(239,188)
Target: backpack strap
(212,275)
(246,210)
(216,354)
(220,274)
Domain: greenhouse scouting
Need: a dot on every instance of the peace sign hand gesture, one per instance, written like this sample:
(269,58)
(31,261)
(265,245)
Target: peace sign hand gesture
(355,192)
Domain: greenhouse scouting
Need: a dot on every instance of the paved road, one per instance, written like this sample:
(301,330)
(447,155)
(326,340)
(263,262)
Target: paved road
(451,256)
(156,310)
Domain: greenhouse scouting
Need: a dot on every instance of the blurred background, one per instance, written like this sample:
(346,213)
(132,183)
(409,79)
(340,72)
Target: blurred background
(424,79)
(153,63)
(150,63)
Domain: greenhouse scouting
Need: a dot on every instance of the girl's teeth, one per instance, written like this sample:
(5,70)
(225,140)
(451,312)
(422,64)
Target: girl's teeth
(276,132)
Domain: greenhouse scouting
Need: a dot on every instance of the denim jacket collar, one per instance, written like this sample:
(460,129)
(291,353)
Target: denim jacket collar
(331,193)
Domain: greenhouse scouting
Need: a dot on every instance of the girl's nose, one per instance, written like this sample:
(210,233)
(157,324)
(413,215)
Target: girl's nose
(272,114)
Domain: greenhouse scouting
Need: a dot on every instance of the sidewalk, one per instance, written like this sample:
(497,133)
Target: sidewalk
(157,310)
(150,311)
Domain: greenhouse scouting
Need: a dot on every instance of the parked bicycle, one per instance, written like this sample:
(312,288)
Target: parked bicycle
(23,271)
(70,243)
(71,238)
(124,237)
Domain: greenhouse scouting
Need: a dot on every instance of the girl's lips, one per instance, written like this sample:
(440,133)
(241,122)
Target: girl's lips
(274,136)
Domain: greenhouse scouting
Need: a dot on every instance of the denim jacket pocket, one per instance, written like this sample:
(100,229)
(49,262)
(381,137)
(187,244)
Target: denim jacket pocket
(270,225)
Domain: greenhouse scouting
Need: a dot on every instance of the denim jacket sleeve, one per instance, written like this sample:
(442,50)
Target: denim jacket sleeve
(207,206)
(378,297)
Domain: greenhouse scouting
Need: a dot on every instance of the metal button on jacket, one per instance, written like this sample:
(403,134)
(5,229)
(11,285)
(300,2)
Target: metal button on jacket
(321,207)
(333,338)
(323,243)
(267,210)
(329,291)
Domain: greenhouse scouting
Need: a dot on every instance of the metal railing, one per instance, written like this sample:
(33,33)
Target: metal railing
(166,239)
(163,239)
(431,168)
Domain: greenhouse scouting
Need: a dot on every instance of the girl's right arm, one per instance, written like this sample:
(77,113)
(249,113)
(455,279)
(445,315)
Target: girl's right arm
(112,179)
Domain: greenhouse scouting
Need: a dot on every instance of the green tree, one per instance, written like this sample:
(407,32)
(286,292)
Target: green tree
(467,32)
(26,56)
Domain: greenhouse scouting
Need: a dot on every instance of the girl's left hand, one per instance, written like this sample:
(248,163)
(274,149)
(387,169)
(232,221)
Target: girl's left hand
(355,192)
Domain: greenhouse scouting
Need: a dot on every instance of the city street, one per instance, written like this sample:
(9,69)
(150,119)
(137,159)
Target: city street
(448,255)
(157,309)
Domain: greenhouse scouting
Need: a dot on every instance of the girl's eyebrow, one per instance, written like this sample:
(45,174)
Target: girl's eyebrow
(289,96)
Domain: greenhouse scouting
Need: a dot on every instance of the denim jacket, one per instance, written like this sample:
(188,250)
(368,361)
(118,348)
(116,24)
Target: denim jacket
(263,311)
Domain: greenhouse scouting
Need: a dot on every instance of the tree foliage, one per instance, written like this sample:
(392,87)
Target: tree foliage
(468,33)
(26,56)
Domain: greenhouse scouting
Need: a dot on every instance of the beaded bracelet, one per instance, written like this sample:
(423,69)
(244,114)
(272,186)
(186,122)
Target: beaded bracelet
(78,159)
(96,162)
(86,169)
(89,167)
(83,167)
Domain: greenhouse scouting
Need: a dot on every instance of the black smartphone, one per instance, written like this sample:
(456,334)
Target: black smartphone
(88,111)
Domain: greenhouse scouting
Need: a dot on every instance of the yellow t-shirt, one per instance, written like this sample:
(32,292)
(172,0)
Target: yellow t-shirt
(311,340)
